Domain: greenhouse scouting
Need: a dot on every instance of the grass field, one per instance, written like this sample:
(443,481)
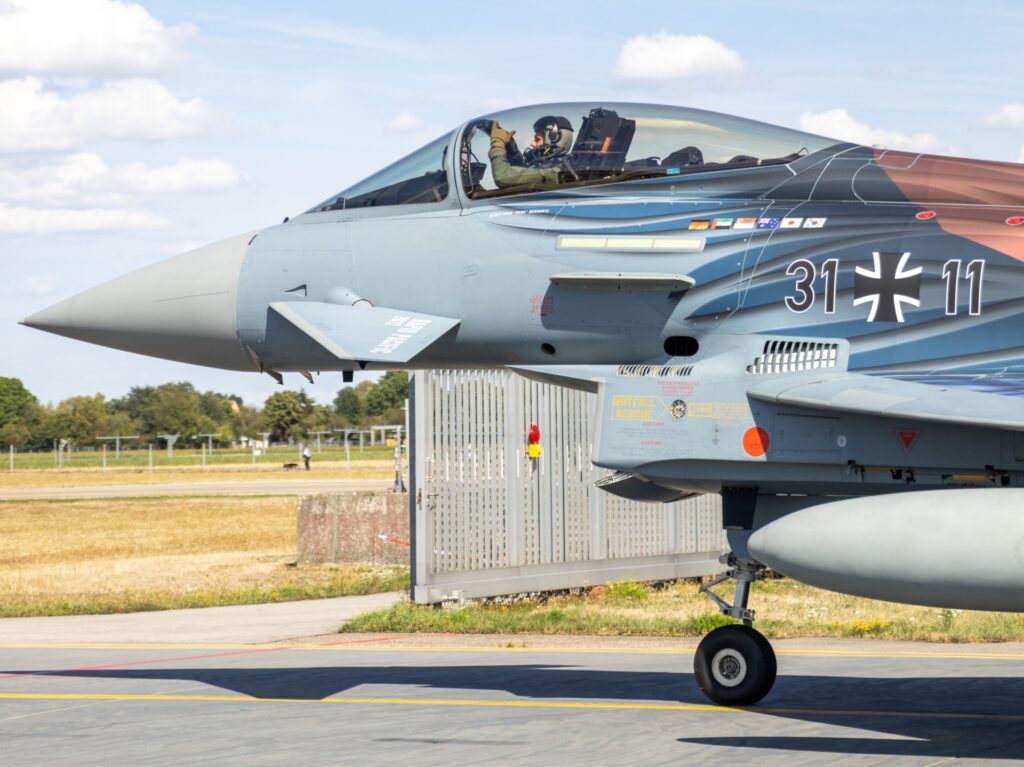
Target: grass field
(32,470)
(184,458)
(789,609)
(366,469)
(114,555)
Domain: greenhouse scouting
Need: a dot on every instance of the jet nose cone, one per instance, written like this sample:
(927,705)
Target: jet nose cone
(183,308)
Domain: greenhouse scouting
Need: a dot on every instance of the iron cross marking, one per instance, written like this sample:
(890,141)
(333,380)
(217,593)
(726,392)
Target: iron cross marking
(887,287)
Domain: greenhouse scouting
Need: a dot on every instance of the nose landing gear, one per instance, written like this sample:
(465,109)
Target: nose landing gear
(735,665)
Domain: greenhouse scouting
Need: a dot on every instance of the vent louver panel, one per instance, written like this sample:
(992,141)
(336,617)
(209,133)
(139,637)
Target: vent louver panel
(654,371)
(793,356)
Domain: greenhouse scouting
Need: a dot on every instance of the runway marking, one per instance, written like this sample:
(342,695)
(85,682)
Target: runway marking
(368,645)
(491,703)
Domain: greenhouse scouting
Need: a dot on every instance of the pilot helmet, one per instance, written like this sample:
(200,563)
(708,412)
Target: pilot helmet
(557,132)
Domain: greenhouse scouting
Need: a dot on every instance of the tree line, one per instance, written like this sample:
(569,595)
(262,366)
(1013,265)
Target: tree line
(178,408)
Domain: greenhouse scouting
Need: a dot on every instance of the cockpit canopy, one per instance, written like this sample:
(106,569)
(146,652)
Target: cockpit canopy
(607,142)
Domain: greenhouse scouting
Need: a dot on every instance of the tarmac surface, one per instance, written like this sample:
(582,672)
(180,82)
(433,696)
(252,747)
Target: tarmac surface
(229,487)
(445,700)
(239,624)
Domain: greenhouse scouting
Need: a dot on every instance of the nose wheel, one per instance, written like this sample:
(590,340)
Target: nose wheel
(735,665)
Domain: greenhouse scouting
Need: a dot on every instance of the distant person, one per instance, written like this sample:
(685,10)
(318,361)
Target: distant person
(307,456)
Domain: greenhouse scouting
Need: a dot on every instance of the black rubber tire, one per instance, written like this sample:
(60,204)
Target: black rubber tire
(735,646)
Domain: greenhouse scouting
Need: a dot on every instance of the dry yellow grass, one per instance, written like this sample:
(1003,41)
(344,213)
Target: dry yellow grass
(74,477)
(119,554)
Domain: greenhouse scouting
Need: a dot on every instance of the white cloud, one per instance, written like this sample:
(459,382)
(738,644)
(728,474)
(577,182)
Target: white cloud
(184,176)
(838,123)
(664,57)
(32,117)
(404,122)
(84,36)
(1008,116)
(336,34)
(1020,156)
(85,178)
(37,221)
(39,284)
(52,181)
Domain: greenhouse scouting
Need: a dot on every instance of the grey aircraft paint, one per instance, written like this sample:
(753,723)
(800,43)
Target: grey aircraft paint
(770,315)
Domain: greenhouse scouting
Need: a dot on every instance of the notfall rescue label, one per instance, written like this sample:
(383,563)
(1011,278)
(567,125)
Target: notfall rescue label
(632,407)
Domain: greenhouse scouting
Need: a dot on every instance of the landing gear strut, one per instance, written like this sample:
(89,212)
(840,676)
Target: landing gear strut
(735,665)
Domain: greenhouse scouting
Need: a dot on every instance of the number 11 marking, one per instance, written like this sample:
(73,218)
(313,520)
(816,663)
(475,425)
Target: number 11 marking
(974,272)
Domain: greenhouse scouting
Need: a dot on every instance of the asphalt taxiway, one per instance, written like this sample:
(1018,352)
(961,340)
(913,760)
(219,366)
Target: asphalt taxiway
(366,700)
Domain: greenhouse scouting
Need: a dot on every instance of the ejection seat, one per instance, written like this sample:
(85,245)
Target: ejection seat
(601,145)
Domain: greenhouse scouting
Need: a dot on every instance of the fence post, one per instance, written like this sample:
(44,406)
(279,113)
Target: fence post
(150,459)
(104,456)
(204,455)
(12,458)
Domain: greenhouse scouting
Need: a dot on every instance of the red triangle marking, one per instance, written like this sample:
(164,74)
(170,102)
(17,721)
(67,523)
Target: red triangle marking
(907,438)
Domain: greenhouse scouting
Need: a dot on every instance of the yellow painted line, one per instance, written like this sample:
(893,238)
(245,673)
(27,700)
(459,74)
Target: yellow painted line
(384,646)
(899,654)
(491,703)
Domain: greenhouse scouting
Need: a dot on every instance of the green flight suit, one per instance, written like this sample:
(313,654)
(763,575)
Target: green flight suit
(506,175)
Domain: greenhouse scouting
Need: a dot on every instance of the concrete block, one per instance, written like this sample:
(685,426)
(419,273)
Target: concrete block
(369,526)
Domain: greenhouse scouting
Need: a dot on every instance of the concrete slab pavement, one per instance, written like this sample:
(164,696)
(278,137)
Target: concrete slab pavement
(241,624)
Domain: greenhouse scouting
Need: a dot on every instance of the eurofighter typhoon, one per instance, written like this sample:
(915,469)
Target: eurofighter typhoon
(830,336)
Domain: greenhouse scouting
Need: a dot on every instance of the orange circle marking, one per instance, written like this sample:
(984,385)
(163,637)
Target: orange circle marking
(755,441)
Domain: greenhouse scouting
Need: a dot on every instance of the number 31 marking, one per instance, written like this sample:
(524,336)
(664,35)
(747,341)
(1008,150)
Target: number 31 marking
(805,272)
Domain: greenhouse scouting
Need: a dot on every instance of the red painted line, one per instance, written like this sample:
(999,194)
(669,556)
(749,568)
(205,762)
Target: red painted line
(145,662)
(387,639)
(360,641)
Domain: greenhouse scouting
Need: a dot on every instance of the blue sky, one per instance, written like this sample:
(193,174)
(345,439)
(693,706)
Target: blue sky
(131,132)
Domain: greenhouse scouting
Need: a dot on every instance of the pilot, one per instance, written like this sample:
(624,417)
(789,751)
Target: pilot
(551,142)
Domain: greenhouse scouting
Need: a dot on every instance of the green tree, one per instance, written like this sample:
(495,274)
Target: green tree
(285,412)
(14,400)
(121,423)
(177,408)
(81,419)
(247,422)
(40,425)
(16,433)
(389,393)
(348,405)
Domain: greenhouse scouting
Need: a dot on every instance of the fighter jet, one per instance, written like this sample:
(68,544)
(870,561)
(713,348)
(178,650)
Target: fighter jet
(825,334)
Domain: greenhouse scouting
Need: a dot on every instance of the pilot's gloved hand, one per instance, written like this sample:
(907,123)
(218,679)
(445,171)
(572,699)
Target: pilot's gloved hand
(500,136)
